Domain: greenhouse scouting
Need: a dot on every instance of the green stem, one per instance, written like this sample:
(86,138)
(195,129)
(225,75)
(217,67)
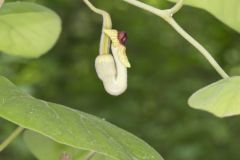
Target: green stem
(11,137)
(198,46)
(176,8)
(167,16)
(90,155)
(107,24)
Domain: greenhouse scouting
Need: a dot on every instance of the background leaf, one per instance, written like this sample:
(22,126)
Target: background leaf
(225,10)
(27,29)
(41,146)
(71,127)
(220,98)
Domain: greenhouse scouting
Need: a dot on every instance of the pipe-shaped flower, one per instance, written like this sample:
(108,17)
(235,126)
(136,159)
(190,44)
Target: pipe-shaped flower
(112,70)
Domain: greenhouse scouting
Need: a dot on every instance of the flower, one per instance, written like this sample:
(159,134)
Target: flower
(118,45)
(112,69)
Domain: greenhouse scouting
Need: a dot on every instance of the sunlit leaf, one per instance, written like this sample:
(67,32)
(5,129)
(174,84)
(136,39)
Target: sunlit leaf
(221,98)
(71,127)
(27,29)
(225,10)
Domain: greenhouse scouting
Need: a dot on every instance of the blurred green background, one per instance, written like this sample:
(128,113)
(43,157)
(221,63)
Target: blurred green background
(165,71)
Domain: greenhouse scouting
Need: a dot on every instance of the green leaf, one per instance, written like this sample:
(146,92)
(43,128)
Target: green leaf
(27,29)
(225,10)
(71,127)
(41,146)
(220,98)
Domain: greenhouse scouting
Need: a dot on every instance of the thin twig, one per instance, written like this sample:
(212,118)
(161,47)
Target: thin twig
(11,137)
(199,47)
(107,24)
(177,7)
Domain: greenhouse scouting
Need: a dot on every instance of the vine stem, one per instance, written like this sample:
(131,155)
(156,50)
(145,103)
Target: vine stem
(167,15)
(107,24)
(10,138)
(199,47)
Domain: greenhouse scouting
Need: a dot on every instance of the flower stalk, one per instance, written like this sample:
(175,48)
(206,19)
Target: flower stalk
(11,137)
(107,24)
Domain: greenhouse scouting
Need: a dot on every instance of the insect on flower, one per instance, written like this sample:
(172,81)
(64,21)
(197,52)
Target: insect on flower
(122,37)
(119,40)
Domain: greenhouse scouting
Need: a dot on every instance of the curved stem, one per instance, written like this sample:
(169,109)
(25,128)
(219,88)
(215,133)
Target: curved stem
(148,8)
(177,7)
(11,137)
(107,24)
(167,16)
(198,46)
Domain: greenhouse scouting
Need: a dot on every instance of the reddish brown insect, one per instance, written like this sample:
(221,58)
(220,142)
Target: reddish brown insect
(122,37)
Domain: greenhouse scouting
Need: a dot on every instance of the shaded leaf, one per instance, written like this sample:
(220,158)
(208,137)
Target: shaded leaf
(71,127)
(225,10)
(41,146)
(220,98)
(27,29)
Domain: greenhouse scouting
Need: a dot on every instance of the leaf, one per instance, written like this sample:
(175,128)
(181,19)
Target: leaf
(220,98)
(41,146)
(27,29)
(71,127)
(225,10)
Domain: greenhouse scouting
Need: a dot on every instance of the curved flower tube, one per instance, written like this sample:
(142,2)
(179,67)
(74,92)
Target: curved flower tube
(112,70)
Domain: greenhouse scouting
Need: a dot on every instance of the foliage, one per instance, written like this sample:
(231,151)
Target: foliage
(224,10)
(219,98)
(27,29)
(154,105)
(70,127)
(41,146)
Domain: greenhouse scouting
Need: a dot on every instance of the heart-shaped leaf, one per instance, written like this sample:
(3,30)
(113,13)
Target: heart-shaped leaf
(71,127)
(44,148)
(221,98)
(225,10)
(27,29)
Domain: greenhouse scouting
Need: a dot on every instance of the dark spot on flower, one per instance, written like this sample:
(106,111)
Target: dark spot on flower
(122,37)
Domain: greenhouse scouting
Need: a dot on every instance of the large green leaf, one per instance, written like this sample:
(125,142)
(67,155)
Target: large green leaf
(221,98)
(225,10)
(41,146)
(27,29)
(71,127)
